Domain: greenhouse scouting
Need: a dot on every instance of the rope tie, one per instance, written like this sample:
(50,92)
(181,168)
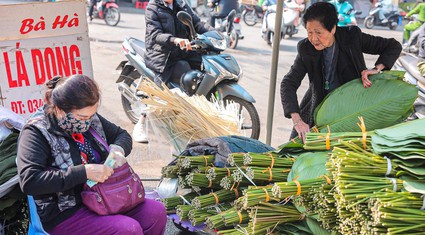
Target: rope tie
(236,192)
(364,132)
(272,163)
(228,171)
(328,180)
(210,185)
(216,198)
(206,161)
(240,217)
(270,172)
(298,187)
(267,194)
(389,166)
(328,140)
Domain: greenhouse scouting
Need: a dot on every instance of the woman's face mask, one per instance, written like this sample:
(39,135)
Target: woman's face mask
(78,120)
(74,125)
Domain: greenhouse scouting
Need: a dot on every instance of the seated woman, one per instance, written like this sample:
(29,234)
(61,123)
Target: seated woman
(53,166)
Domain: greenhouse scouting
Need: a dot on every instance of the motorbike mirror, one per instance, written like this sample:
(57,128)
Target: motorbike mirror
(186,19)
(230,19)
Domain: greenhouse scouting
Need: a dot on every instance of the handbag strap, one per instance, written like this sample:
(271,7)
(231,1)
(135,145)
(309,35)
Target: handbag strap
(100,139)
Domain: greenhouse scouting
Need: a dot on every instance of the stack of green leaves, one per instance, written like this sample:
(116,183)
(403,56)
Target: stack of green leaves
(198,216)
(266,216)
(388,102)
(171,202)
(397,213)
(406,145)
(215,198)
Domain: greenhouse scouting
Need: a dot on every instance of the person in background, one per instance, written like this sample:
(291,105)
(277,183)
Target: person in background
(420,10)
(168,50)
(224,6)
(57,155)
(91,9)
(387,6)
(331,56)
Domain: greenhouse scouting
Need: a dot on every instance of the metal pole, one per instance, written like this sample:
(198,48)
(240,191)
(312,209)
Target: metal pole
(273,72)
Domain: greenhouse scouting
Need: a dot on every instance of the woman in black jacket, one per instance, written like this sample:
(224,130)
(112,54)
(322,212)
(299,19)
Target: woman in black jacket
(331,56)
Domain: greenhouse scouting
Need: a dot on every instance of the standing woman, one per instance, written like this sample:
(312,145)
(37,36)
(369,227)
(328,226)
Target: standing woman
(57,155)
(331,56)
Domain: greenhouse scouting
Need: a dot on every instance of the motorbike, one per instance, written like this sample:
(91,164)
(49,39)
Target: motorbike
(218,78)
(373,18)
(252,14)
(412,45)
(346,14)
(222,25)
(408,62)
(290,14)
(107,10)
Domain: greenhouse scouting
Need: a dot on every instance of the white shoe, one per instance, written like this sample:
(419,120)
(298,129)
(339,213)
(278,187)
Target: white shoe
(384,21)
(139,133)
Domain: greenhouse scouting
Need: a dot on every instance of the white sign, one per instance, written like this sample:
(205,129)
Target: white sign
(37,42)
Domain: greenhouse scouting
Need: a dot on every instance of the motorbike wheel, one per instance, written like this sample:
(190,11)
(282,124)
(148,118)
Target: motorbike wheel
(368,22)
(112,16)
(393,23)
(234,38)
(249,17)
(133,109)
(251,120)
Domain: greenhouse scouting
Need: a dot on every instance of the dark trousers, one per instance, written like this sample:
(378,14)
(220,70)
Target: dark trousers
(215,16)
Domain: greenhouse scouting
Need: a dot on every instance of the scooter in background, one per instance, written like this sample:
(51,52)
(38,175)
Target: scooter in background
(346,14)
(218,78)
(373,18)
(291,13)
(252,14)
(408,62)
(107,10)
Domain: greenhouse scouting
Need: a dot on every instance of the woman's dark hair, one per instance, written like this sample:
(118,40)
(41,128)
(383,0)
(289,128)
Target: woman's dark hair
(74,92)
(323,12)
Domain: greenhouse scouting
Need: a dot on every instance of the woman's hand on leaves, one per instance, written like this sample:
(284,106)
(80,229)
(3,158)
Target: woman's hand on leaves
(300,126)
(365,80)
(184,44)
(98,172)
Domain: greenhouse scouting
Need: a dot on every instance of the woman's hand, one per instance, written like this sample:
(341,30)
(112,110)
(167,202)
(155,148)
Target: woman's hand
(117,153)
(365,73)
(300,126)
(98,172)
(184,44)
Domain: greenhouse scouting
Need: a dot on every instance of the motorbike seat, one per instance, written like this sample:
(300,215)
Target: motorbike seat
(410,64)
(138,46)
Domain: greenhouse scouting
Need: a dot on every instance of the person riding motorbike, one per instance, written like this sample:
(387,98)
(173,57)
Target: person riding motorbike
(265,6)
(386,7)
(225,7)
(92,4)
(168,50)
(420,10)
(343,7)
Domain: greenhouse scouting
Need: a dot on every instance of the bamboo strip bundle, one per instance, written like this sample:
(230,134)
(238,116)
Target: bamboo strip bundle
(268,159)
(198,216)
(183,211)
(240,230)
(186,118)
(171,202)
(219,172)
(215,198)
(215,222)
(235,217)
(321,141)
(268,174)
(195,161)
(170,171)
(283,190)
(265,216)
(201,180)
(255,195)
(398,213)
(325,207)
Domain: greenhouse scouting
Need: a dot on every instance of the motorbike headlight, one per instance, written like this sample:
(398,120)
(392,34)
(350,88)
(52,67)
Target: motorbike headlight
(220,44)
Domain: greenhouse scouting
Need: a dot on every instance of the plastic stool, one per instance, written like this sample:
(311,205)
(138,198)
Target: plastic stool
(35,227)
(141,5)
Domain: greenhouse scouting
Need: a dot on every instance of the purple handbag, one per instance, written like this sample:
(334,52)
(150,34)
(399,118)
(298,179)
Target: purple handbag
(121,192)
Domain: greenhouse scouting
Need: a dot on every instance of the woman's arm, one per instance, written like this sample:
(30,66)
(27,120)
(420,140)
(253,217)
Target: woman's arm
(35,175)
(116,135)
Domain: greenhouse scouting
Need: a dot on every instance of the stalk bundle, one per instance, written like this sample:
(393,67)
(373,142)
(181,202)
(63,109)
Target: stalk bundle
(235,217)
(201,180)
(198,216)
(265,217)
(171,202)
(170,171)
(183,211)
(268,159)
(255,195)
(215,198)
(195,161)
(283,190)
(322,141)
(259,175)
(185,119)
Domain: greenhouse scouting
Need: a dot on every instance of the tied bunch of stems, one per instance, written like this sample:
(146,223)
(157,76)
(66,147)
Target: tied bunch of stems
(268,159)
(195,161)
(170,171)
(397,213)
(259,175)
(266,216)
(239,230)
(254,195)
(236,179)
(218,172)
(235,217)
(215,222)
(324,207)
(215,198)
(283,190)
(171,202)
(322,141)
(183,211)
(198,216)
(201,180)
(353,187)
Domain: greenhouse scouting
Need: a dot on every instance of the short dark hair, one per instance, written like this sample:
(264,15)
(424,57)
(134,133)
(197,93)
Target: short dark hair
(74,92)
(323,12)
